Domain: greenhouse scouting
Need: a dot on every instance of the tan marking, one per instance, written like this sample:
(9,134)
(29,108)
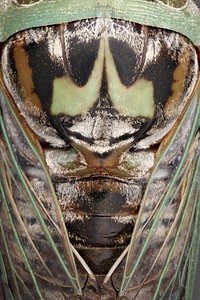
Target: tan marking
(178,85)
(25,75)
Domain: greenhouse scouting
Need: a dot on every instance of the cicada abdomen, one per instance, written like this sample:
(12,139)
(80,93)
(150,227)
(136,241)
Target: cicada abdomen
(99,162)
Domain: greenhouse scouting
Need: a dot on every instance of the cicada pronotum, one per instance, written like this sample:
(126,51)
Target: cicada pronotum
(99,164)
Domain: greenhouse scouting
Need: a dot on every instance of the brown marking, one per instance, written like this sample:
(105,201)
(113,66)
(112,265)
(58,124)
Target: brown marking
(178,85)
(25,74)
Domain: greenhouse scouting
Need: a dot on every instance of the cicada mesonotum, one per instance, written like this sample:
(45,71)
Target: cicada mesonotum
(99,165)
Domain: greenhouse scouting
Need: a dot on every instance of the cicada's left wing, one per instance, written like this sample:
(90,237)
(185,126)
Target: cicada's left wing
(160,260)
(36,252)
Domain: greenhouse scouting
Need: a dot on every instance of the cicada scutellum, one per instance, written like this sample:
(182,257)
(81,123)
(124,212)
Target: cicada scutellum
(99,165)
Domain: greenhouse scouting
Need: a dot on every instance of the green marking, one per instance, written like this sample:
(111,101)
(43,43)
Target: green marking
(134,101)
(70,99)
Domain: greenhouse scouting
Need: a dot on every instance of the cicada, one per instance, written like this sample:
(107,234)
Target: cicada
(99,164)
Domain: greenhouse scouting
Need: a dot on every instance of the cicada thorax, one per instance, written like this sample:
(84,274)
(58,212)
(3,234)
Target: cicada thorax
(100,96)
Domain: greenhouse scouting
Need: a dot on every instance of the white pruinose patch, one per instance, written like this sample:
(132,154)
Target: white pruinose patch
(102,126)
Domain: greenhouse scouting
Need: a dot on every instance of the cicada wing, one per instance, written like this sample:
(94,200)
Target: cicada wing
(160,250)
(193,256)
(36,252)
(5,291)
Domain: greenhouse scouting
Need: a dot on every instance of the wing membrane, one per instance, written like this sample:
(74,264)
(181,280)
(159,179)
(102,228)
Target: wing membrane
(158,256)
(37,251)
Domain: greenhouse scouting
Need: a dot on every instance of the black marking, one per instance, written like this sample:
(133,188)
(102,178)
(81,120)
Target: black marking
(44,72)
(81,59)
(126,61)
(103,155)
